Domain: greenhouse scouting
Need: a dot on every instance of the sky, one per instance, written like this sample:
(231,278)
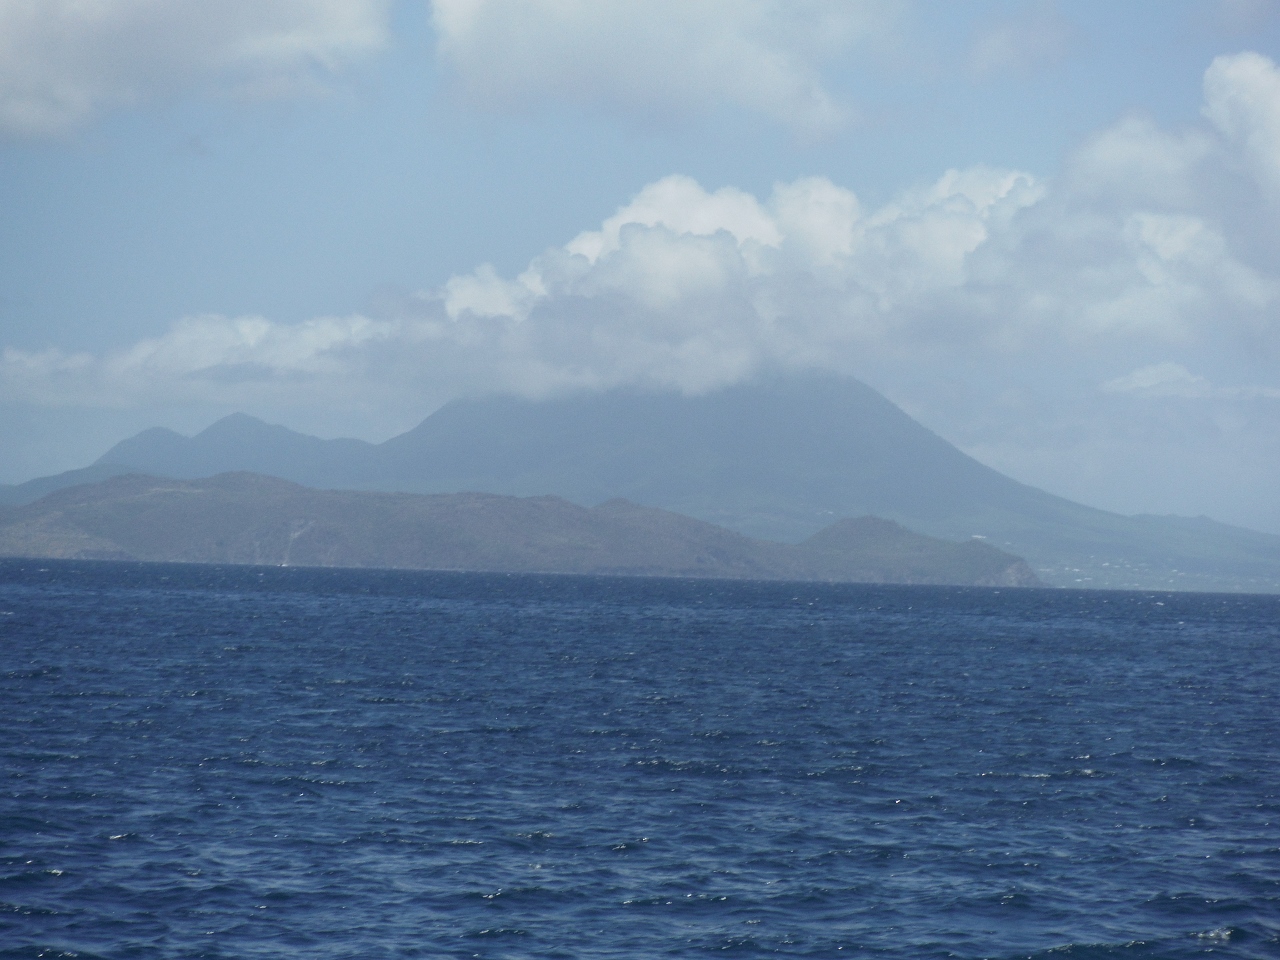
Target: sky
(1049,231)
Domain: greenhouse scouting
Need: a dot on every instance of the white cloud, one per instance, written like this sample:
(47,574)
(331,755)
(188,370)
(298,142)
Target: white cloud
(683,207)
(1161,379)
(1242,99)
(202,358)
(682,287)
(657,56)
(485,294)
(1134,161)
(1168,379)
(63,60)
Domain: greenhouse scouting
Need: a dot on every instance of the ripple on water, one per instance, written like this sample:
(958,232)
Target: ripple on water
(246,763)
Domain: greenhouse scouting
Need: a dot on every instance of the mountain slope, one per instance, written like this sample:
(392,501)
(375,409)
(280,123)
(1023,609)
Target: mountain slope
(17,494)
(248,518)
(773,456)
(777,459)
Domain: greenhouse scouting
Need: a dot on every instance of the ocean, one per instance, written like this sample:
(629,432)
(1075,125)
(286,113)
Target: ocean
(233,762)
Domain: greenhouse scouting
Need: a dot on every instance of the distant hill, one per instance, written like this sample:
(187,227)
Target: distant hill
(243,443)
(253,519)
(18,494)
(777,459)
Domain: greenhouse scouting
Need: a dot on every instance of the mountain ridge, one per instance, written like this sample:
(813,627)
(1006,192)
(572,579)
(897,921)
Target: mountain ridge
(255,519)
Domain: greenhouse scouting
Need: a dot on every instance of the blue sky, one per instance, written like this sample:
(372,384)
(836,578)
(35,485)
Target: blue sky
(1048,230)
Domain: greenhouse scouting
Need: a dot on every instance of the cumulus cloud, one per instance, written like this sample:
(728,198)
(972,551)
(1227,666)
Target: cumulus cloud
(682,288)
(1242,99)
(692,288)
(689,287)
(1134,162)
(61,61)
(202,358)
(657,56)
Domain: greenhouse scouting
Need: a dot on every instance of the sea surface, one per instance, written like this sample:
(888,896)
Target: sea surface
(233,762)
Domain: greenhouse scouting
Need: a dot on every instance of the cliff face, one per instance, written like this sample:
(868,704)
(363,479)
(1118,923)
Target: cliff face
(252,519)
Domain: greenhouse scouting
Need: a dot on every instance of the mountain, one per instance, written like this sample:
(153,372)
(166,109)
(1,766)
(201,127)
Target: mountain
(240,442)
(781,458)
(18,494)
(254,519)
(777,459)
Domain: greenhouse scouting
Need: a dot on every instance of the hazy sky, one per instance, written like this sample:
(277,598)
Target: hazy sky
(1050,231)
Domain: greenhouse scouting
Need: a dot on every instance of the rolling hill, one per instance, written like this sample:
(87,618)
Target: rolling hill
(253,519)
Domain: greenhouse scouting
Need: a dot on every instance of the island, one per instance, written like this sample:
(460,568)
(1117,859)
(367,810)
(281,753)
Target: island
(248,518)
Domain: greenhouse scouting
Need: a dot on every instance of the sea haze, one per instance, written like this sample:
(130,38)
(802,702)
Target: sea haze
(208,761)
(778,458)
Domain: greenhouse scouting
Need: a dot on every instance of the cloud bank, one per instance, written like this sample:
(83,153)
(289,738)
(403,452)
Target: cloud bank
(682,288)
(62,61)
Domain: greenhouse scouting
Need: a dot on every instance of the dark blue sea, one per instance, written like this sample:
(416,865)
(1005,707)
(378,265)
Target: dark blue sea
(233,762)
